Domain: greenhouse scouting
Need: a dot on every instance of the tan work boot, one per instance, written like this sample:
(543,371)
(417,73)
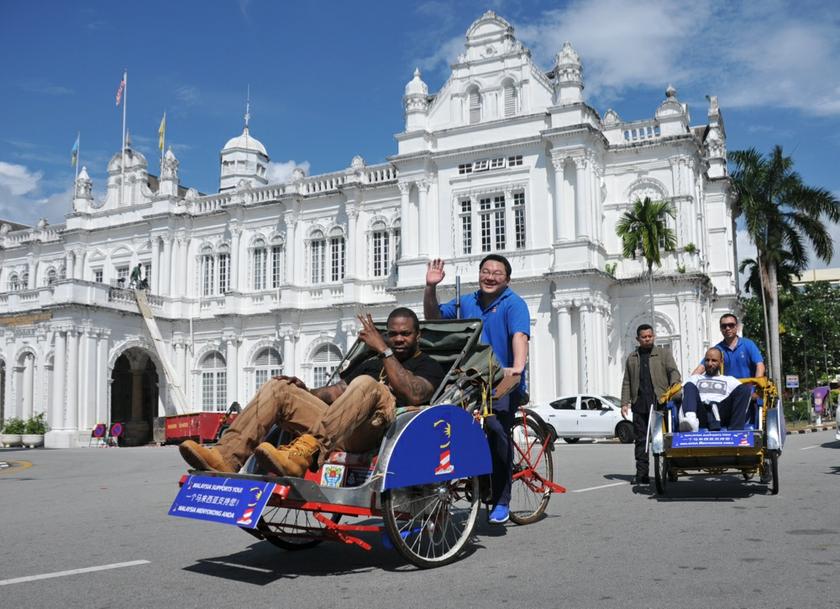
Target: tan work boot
(203,458)
(292,460)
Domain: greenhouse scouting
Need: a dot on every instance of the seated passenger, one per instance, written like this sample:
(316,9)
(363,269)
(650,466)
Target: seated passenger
(359,412)
(720,400)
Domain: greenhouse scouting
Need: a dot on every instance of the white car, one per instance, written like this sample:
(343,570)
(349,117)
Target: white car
(586,416)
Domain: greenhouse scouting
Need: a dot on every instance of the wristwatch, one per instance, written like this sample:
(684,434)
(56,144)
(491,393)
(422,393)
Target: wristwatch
(386,353)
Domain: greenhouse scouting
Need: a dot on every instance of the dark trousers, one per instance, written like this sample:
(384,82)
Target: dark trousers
(733,409)
(501,447)
(640,428)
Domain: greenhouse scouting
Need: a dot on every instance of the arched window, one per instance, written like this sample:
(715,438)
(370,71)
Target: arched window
(268,363)
(52,276)
(474,101)
(207,271)
(317,254)
(397,240)
(380,249)
(213,382)
(258,267)
(224,268)
(14,283)
(24,280)
(325,361)
(337,254)
(510,95)
(276,262)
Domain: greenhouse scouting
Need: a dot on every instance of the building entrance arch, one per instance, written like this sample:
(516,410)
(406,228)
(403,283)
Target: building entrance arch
(134,395)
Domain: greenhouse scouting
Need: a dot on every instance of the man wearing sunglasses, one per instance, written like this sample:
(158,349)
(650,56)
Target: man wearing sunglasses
(507,329)
(741,357)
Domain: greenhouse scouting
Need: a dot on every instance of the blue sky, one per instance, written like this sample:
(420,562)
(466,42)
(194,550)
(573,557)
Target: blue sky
(327,78)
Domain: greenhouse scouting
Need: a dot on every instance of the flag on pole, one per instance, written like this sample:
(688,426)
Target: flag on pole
(120,90)
(74,152)
(162,132)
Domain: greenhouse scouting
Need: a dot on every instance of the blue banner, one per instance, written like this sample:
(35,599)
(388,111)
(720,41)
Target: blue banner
(729,439)
(235,501)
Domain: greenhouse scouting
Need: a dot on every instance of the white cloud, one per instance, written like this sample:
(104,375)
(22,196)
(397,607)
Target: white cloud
(17,179)
(282,172)
(188,94)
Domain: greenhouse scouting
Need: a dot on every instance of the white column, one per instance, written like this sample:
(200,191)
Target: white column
(157,267)
(353,243)
(289,367)
(585,356)
(71,414)
(69,264)
(184,265)
(236,232)
(232,357)
(422,218)
(90,374)
(581,228)
(28,384)
(56,419)
(594,203)
(103,379)
(166,267)
(291,247)
(19,407)
(561,231)
(598,352)
(564,348)
(408,221)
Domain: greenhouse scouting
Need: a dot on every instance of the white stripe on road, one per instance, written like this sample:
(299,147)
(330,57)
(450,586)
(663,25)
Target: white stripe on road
(810,447)
(236,566)
(32,578)
(595,488)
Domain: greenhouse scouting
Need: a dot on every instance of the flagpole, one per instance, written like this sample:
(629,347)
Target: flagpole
(78,154)
(122,169)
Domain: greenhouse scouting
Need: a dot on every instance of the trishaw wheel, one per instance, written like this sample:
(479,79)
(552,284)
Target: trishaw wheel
(660,473)
(293,529)
(774,471)
(429,524)
(533,465)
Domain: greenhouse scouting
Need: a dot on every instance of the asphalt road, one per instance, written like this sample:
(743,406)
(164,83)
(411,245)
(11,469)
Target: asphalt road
(712,544)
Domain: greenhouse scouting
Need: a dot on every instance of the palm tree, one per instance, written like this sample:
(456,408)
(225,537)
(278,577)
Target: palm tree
(786,273)
(644,231)
(781,213)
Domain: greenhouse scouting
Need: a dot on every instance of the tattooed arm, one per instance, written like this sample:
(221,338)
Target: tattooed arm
(409,388)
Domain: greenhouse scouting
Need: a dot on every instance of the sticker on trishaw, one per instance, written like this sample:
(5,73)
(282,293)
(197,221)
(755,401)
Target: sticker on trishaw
(440,443)
(732,439)
(224,500)
(332,475)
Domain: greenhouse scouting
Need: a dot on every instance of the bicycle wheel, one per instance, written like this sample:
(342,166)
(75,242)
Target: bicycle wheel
(532,465)
(430,524)
(293,529)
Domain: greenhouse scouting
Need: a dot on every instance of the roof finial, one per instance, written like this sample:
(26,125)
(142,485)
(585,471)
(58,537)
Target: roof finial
(248,107)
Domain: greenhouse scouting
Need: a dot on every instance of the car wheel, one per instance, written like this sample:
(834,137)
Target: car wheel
(624,432)
(571,440)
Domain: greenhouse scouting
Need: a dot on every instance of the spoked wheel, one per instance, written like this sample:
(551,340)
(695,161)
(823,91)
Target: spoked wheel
(293,529)
(430,524)
(660,473)
(533,465)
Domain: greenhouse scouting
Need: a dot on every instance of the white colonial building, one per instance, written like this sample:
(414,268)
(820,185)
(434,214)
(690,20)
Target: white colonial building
(262,278)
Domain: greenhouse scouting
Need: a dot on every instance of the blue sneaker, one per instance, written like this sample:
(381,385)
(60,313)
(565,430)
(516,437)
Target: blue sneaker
(499,515)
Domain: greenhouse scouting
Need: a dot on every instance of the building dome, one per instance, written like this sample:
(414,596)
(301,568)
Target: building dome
(246,141)
(416,86)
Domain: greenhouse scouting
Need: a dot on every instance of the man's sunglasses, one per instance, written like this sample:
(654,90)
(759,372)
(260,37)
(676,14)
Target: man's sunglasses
(725,326)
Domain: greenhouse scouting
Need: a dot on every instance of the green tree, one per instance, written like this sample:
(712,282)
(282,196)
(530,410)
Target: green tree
(644,232)
(781,214)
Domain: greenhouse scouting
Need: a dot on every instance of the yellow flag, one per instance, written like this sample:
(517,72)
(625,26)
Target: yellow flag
(162,132)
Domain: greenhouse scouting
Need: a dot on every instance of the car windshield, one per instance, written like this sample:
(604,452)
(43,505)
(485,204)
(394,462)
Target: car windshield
(613,400)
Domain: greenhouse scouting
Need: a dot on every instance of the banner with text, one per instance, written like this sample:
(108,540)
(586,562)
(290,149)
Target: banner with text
(235,501)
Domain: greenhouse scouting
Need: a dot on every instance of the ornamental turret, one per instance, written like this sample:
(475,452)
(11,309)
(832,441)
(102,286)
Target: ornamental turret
(416,102)
(243,158)
(568,76)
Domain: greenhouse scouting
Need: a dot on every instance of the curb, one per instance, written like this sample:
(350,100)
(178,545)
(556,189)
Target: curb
(823,427)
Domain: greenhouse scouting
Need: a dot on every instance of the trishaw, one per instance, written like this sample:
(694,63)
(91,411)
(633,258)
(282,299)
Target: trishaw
(753,450)
(425,482)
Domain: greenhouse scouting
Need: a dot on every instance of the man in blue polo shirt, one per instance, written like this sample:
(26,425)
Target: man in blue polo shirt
(741,357)
(507,329)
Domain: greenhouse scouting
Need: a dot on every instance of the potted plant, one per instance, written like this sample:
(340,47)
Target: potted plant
(35,428)
(12,431)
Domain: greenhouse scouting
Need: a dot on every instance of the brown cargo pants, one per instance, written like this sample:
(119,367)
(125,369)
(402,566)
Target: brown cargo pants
(355,422)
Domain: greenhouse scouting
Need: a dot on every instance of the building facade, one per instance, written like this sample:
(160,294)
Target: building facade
(264,278)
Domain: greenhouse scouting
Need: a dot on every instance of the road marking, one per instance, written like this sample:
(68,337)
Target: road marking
(236,566)
(32,578)
(810,447)
(595,488)
(14,465)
